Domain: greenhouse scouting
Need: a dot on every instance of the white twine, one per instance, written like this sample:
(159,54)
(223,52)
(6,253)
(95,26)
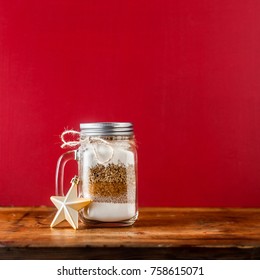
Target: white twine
(87,140)
(69,144)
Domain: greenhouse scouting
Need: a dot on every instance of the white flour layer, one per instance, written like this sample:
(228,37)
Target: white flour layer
(110,212)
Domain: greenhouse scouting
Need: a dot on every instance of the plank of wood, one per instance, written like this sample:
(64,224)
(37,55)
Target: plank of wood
(159,233)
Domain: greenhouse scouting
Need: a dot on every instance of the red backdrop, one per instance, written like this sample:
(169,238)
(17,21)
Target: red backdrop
(186,73)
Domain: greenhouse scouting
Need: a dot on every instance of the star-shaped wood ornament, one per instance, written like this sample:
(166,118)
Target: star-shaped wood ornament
(69,205)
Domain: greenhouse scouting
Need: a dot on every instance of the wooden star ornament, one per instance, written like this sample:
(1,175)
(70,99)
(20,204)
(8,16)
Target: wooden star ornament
(69,205)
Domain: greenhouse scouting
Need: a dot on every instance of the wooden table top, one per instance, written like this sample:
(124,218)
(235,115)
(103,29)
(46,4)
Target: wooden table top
(159,233)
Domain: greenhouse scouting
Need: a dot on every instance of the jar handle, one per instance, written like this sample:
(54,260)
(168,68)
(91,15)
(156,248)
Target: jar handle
(59,178)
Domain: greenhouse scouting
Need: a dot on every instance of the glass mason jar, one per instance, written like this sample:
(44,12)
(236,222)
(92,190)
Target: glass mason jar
(107,167)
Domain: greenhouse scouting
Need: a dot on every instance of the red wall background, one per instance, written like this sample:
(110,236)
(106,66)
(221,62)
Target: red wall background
(186,73)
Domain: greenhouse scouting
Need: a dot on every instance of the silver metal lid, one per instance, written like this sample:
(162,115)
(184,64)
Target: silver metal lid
(107,128)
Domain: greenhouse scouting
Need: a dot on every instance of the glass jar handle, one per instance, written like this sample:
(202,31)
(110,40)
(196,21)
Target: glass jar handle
(59,180)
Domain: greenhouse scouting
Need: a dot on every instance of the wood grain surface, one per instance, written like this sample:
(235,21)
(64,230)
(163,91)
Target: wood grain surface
(159,233)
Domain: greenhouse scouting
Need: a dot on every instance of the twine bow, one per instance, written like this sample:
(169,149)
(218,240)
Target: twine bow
(87,140)
(69,144)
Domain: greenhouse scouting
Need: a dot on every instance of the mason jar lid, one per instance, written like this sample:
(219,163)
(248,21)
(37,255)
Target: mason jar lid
(107,128)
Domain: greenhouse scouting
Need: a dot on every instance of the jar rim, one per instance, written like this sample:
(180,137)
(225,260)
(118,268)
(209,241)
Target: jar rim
(107,128)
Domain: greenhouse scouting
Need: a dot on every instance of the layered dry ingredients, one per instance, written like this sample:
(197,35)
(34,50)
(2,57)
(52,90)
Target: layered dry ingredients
(112,188)
(109,180)
(114,183)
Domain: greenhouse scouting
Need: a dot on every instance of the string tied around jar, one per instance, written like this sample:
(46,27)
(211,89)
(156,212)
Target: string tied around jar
(78,141)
